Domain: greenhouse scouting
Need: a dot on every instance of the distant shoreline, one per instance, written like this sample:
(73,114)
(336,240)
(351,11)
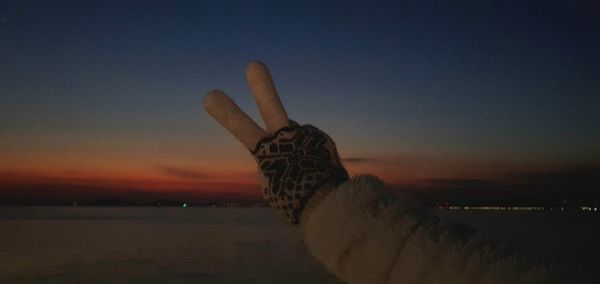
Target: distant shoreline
(183,205)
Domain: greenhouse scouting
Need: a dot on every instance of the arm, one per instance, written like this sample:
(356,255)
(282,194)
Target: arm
(355,226)
(364,234)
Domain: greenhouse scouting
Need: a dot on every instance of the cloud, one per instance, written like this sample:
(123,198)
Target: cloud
(184,173)
(569,175)
(464,183)
(359,160)
(572,179)
(574,184)
(565,179)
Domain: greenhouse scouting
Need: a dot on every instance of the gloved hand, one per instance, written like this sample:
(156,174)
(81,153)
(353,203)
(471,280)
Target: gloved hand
(296,162)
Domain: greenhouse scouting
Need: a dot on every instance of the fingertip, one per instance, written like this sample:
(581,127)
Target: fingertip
(256,64)
(256,67)
(212,99)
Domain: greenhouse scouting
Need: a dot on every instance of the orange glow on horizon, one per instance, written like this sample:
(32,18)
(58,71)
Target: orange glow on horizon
(235,182)
(210,175)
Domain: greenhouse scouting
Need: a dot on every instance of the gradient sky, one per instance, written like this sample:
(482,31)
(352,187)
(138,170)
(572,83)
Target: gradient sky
(108,93)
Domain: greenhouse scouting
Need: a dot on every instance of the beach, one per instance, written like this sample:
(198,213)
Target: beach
(227,245)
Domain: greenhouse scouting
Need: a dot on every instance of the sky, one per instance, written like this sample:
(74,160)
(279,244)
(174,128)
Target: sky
(104,98)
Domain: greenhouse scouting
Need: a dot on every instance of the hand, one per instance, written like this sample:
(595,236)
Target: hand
(295,161)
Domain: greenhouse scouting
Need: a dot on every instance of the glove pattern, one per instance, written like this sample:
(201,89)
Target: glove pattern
(294,163)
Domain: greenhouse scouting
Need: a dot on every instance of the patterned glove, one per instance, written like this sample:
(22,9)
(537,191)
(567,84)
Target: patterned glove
(294,161)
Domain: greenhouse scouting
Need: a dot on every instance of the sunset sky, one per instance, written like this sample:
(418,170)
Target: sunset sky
(105,96)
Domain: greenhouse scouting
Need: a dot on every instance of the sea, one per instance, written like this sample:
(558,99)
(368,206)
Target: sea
(231,245)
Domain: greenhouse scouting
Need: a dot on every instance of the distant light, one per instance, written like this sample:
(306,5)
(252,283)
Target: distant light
(184,205)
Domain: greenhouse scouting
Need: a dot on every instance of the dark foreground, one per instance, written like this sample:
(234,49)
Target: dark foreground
(228,245)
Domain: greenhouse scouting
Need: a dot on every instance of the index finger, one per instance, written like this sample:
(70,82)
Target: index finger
(230,116)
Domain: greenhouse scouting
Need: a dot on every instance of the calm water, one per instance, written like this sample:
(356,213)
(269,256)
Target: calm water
(226,245)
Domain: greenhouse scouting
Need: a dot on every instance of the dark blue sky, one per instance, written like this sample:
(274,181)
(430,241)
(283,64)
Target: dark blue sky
(90,83)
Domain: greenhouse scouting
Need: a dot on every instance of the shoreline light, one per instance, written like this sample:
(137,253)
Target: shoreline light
(518,208)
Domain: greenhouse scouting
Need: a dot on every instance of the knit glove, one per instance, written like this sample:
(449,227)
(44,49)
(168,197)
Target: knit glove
(294,161)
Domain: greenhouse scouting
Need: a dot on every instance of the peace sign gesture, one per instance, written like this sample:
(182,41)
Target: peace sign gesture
(295,161)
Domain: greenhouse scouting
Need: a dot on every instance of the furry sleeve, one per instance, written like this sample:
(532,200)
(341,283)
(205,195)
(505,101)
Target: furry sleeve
(365,234)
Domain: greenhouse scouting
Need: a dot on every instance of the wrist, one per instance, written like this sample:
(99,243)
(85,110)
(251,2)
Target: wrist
(317,198)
